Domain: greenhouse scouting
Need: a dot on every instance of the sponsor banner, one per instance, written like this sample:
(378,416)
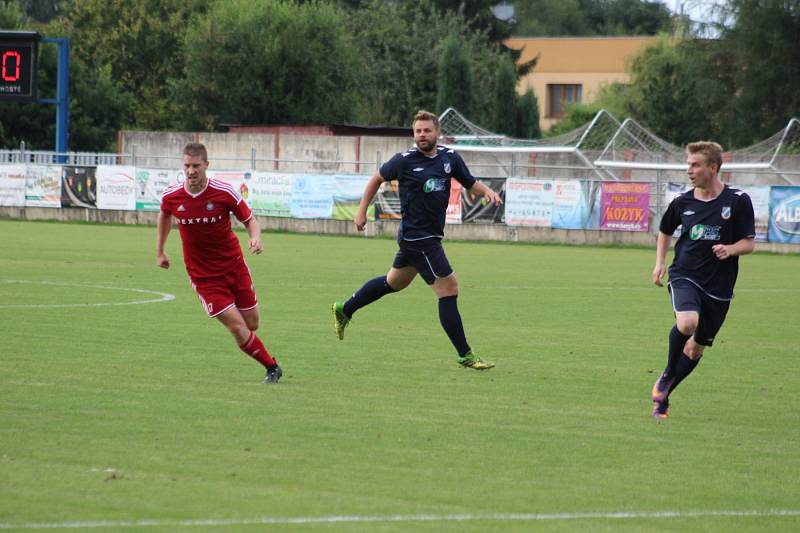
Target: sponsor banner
(453,214)
(347,192)
(476,209)
(12,185)
(116,187)
(43,186)
(271,194)
(625,206)
(576,204)
(240,180)
(150,185)
(784,215)
(312,196)
(387,201)
(529,202)
(78,187)
(759,195)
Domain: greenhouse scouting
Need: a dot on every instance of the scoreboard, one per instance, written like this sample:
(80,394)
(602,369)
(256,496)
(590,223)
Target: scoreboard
(18,60)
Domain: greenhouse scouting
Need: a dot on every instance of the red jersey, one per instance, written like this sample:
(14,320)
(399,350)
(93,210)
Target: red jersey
(210,248)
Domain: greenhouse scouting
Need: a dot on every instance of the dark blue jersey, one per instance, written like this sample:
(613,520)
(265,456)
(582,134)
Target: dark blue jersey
(726,219)
(424,184)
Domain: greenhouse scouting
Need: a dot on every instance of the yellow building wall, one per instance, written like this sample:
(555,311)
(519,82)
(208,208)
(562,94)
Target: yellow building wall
(591,62)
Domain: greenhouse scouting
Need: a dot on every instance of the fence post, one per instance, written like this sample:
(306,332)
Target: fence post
(253,159)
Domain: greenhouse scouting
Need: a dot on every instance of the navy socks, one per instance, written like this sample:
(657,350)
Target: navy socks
(372,290)
(451,322)
(677,341)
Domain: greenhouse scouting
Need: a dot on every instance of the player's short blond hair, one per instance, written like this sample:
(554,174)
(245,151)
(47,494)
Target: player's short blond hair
(425,115)
(196,150)
(711,152)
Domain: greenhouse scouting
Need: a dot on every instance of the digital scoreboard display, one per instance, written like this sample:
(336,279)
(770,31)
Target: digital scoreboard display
(18,54)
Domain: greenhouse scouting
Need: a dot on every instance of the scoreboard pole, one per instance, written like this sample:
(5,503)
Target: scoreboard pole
(62,97)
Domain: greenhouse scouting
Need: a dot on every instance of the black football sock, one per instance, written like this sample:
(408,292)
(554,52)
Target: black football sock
(683,368)
(451,322)
(372,290)
(677,341)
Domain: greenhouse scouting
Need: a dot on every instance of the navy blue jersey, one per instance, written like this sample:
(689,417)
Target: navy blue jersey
(726,219)
(424,184)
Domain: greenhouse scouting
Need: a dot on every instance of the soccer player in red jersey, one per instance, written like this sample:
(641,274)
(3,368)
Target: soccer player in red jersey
(201,207)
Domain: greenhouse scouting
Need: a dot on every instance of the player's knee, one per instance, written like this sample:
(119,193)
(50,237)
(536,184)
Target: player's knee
(687,324)
(253,323)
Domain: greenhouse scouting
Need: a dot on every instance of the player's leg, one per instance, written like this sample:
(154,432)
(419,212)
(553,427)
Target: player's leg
(686,303)
(712,316)
(398,278)
(435,269)
(249,342)
(246,302)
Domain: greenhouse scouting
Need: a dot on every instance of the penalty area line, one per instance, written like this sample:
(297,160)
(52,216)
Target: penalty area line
(352,519)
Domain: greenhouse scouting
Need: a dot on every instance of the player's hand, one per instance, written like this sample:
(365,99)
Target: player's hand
(492,197)
(255,245)
(721,251)
(162,260)
(658,273)
(361,221)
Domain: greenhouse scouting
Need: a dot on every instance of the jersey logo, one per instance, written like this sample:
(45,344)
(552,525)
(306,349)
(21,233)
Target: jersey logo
(418,169)
(447,167)
(705,233)
(181,208)
(688,213)
(434,185)
(210,206)
(726,212)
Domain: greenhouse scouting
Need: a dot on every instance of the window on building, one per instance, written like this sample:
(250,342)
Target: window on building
(558,96)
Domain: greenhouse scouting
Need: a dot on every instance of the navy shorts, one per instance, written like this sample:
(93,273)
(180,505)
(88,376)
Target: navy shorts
(427,256)
(686,296)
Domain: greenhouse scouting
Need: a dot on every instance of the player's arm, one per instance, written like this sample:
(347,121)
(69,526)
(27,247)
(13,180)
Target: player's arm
(163,227)
(254,235)
(662,245)
(740,247)
(370,191)
(481,189)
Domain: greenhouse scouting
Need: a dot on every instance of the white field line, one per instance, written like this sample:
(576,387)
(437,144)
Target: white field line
(162,296)
(356,519)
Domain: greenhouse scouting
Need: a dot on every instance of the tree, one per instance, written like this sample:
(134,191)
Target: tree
(398,60)
(454,77)
(764,43)
(141,41)
(528,116)
(505,104)
(267,61)
(591,17)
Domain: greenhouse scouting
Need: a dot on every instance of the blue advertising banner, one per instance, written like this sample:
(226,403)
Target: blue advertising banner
(576,204)
(312,196)
(784,214)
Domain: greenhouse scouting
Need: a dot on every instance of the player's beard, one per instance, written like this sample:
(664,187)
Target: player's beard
(426,146)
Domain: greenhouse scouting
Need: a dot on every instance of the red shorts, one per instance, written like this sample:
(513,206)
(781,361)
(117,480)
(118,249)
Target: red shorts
(234,288)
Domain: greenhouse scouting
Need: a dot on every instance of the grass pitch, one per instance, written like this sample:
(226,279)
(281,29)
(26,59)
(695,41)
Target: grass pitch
(145,416)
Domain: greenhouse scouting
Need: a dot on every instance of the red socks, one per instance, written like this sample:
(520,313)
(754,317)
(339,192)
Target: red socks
(255,349)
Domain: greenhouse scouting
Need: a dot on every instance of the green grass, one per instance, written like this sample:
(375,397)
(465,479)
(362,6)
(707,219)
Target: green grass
(150,412)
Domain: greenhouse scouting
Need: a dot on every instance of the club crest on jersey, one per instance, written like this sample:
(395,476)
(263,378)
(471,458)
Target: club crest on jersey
(726,212)
(210,206)
(447,167)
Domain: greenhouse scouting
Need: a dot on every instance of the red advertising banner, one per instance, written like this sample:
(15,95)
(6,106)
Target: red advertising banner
(625,206)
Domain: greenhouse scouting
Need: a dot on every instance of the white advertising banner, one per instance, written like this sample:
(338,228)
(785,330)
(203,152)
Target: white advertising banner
(271,194)
(529,202)
(116,187)
(12,185)
(43,186)
(150,185)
